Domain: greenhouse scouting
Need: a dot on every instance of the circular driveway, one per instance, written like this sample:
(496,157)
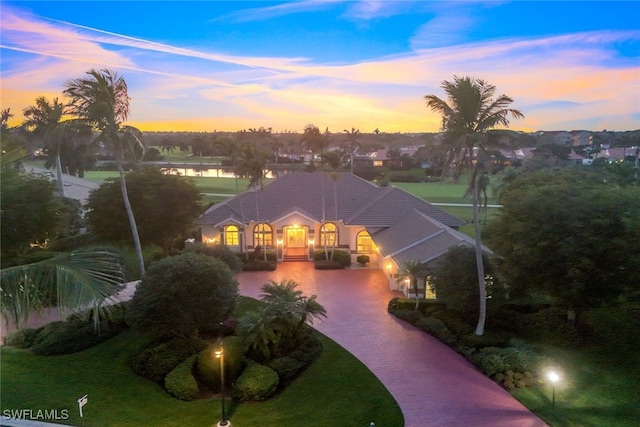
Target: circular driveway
(433,385)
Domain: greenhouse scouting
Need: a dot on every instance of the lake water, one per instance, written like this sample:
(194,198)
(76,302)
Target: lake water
(208,173)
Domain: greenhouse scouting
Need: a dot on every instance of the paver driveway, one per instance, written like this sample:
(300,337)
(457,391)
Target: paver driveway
(433,385)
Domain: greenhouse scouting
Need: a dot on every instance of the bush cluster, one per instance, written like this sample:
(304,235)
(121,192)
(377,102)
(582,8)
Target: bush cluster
(257,382)
(424,305)
(328,265)
(259,265)
(510,366)
(363,259)
(75,334)
(509,363)
(159,359)
(286,367)
(180,382)
(221,252)
(323,261)
(403,177)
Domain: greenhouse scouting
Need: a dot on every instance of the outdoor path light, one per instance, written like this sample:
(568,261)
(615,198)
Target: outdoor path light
(219,353)
(553,378)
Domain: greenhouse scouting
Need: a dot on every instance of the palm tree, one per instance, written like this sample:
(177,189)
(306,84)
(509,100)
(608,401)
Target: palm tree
(290,304)
(470,112)
(102,100)
(352,143)
(252,164)
(77,282)
(313,140)
(44,119)
(413,270)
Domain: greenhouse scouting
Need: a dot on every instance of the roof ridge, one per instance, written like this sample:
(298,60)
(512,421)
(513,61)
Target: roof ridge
(364,207)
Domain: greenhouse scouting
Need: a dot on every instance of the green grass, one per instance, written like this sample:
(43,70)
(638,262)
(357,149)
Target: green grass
(336,388)
(593,392)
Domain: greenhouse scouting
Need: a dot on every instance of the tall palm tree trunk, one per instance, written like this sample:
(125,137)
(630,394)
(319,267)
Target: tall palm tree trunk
(59,173)
(132,220)
(482,290)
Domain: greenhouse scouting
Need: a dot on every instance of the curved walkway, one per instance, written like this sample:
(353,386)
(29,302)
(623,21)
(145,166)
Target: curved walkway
(433,385)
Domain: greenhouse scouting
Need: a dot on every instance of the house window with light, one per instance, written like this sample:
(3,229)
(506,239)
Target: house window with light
(329,234)
(364,244)
(231,235)
(263,235)
(429,290)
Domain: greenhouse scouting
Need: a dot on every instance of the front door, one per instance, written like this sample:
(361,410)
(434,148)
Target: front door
(296,242)
(296,237)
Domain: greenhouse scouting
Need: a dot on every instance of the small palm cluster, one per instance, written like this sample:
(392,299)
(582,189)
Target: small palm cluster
(285,313)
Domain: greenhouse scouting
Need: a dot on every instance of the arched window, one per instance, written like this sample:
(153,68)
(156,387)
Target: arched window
(263,235)
(329,234)
(231,235)
(364,244)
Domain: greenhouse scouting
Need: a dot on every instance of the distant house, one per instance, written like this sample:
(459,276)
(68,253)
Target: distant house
(299,213)
(382,158)
(617,154)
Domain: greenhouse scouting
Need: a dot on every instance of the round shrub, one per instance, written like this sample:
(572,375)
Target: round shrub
(208,365)
(432,325)
(221,252)
(257,382)
(180,382)
(489,361)
(156,361)
(183,294)
(410,316)
(363,259)
(286,367)
(22,338)
(308,349)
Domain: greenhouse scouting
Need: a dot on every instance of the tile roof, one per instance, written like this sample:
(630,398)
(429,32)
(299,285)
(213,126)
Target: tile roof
(358,202)
(403,242)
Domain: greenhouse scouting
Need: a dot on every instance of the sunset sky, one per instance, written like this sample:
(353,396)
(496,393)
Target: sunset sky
(226,66)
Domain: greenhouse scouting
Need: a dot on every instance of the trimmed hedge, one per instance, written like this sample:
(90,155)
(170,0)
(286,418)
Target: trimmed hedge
(342,257)
(180,382)
(259,265)
(424,305)
(158,360)
(286,367)
(75,334)
(22,338)
(328,265)
(257,382)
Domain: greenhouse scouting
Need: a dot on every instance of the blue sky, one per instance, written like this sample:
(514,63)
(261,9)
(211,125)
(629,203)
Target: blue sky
(214,65)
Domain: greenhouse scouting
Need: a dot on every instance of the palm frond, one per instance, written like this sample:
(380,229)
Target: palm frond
(80,282)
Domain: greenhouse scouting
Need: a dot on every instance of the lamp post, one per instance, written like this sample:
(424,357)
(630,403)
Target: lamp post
(554,378)
(219,352)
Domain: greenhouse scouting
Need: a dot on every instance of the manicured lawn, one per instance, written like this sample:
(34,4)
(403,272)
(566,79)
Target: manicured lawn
(337,388)
(592,392)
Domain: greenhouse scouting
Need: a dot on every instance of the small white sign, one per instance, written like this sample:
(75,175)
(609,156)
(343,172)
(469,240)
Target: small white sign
(81,402)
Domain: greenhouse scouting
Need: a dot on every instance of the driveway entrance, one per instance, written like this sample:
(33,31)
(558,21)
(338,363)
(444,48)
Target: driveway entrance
(433,385)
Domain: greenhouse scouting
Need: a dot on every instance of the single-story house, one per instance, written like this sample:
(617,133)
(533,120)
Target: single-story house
(301,212)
